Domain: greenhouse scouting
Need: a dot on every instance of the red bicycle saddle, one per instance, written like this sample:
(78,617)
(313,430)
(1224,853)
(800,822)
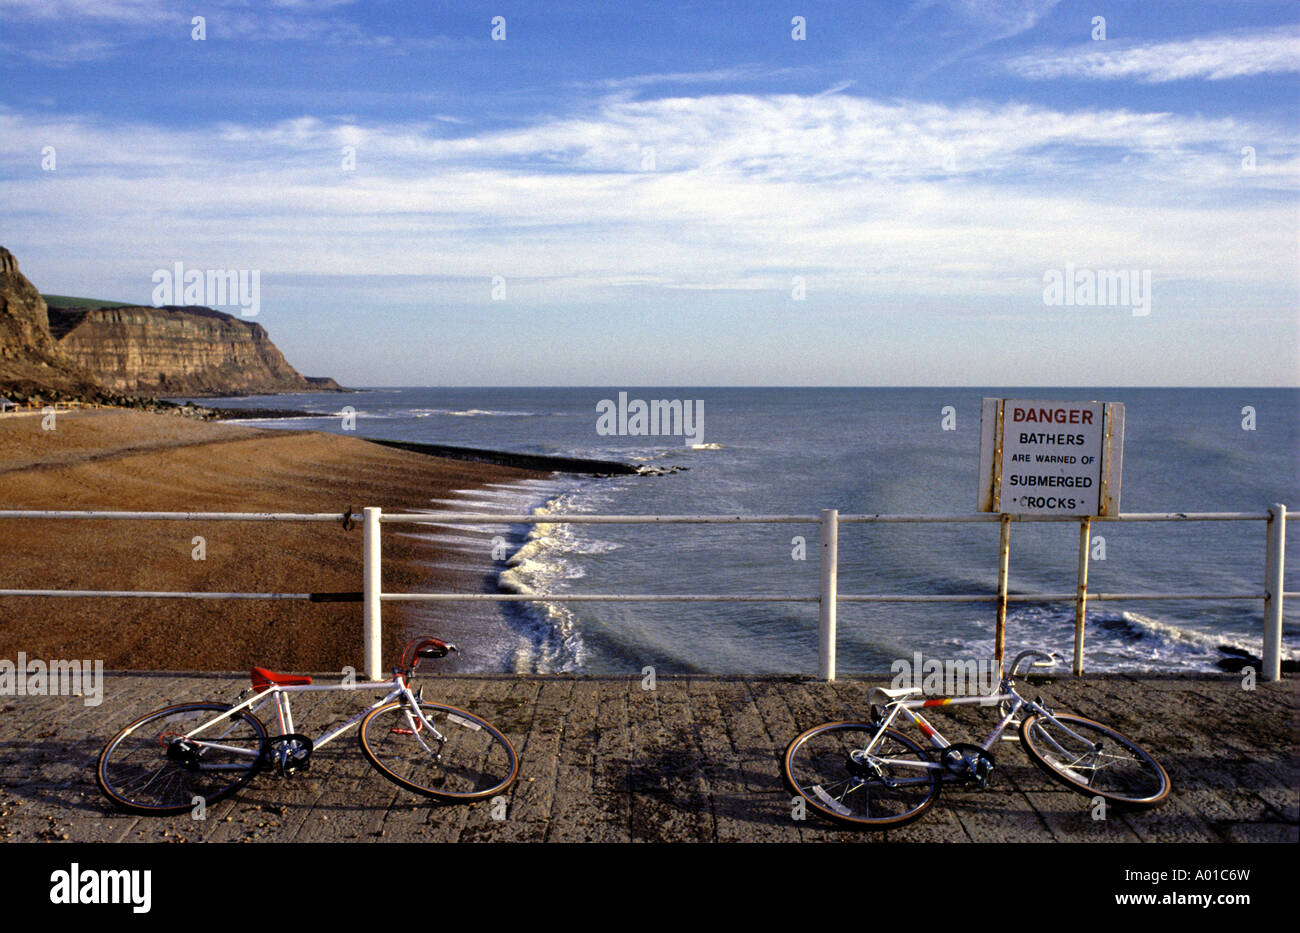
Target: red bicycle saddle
(262,678)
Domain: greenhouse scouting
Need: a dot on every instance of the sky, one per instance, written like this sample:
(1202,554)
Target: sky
(727,193)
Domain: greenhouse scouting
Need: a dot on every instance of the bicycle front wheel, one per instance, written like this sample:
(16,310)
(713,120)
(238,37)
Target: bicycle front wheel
(151,767)
(829,767)
(464,758)
(1093,759)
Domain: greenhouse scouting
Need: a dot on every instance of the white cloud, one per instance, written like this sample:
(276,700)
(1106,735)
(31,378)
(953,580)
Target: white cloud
(1006,17)
(867,197)
(287,21)
(133,12)
(65,55)
(716,76)
(984,22)
(1214,58)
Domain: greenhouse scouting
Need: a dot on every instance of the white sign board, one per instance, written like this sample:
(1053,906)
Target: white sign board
(1050,458)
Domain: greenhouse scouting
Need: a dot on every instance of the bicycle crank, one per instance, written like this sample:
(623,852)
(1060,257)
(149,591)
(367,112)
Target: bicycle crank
(288,753)
(970,764)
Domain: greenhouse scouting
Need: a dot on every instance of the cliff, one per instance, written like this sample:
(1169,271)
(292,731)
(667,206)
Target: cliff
(176,351)
(95,353)
(31,360)
(24,321)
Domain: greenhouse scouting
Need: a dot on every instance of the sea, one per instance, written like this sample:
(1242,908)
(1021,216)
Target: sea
(859,450)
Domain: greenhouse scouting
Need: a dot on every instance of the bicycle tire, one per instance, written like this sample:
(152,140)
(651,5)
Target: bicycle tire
(819,765)
(475,761)
(137,774)
(1138,779)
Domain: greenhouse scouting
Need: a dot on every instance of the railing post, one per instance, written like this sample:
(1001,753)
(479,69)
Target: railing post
(1081,594)
(1004,564)
(1275,561)
(830,536)
(373,633)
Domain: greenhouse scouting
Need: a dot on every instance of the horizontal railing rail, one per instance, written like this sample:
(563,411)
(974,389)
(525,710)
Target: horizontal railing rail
(827,597)
(185,516)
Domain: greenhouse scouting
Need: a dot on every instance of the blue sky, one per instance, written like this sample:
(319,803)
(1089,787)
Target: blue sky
(655,183)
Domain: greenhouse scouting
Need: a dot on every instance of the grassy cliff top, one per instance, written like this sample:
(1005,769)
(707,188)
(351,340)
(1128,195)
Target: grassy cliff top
(67,301)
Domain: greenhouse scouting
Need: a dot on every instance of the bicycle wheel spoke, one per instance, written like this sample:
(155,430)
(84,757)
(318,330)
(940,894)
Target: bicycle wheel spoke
(831,769)
(150,767)
(460,758)
(1091,758)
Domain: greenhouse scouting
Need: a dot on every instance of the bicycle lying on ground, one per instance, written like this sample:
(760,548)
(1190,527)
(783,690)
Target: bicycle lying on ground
(868,775)
(163,763)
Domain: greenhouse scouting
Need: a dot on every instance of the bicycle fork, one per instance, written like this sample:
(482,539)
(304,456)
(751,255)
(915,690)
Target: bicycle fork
(418,722)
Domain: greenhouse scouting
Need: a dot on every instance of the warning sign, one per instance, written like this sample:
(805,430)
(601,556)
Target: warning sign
(1050,458)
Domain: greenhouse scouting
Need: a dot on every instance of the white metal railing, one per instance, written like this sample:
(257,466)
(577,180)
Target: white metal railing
(372,597)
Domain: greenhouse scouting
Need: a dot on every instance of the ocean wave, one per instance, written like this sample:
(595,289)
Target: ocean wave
(551,640)
(1211,645)
(474,506)
(707,447)
(1119,642)
(559,538)
(468,413)
(539,566)
(274,420)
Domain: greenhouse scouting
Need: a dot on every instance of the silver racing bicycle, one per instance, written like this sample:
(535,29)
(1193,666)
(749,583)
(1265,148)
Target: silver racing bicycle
(165,763)
(871,776)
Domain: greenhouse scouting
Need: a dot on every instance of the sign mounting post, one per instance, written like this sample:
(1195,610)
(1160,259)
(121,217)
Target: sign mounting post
(1049,458)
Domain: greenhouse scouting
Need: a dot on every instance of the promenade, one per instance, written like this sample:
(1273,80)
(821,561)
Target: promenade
(695,759)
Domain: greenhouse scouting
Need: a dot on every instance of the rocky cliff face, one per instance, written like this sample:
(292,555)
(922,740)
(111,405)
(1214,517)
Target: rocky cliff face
(93,353)
(24,324)
(176,351)
(30,357)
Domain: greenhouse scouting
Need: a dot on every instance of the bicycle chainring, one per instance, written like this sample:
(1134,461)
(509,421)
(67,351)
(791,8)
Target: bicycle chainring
(969,764)
(288,754)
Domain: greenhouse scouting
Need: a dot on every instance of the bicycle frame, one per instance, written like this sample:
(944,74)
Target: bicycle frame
(280,693)
(933,734)
(1008,694)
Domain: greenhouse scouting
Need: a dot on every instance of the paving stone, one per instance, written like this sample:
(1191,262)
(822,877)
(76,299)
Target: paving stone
(695,759)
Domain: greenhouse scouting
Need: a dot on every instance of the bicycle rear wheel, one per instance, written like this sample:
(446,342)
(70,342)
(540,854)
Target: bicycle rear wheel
(829,768)
(1095,760)
(149,768)
(468,759)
